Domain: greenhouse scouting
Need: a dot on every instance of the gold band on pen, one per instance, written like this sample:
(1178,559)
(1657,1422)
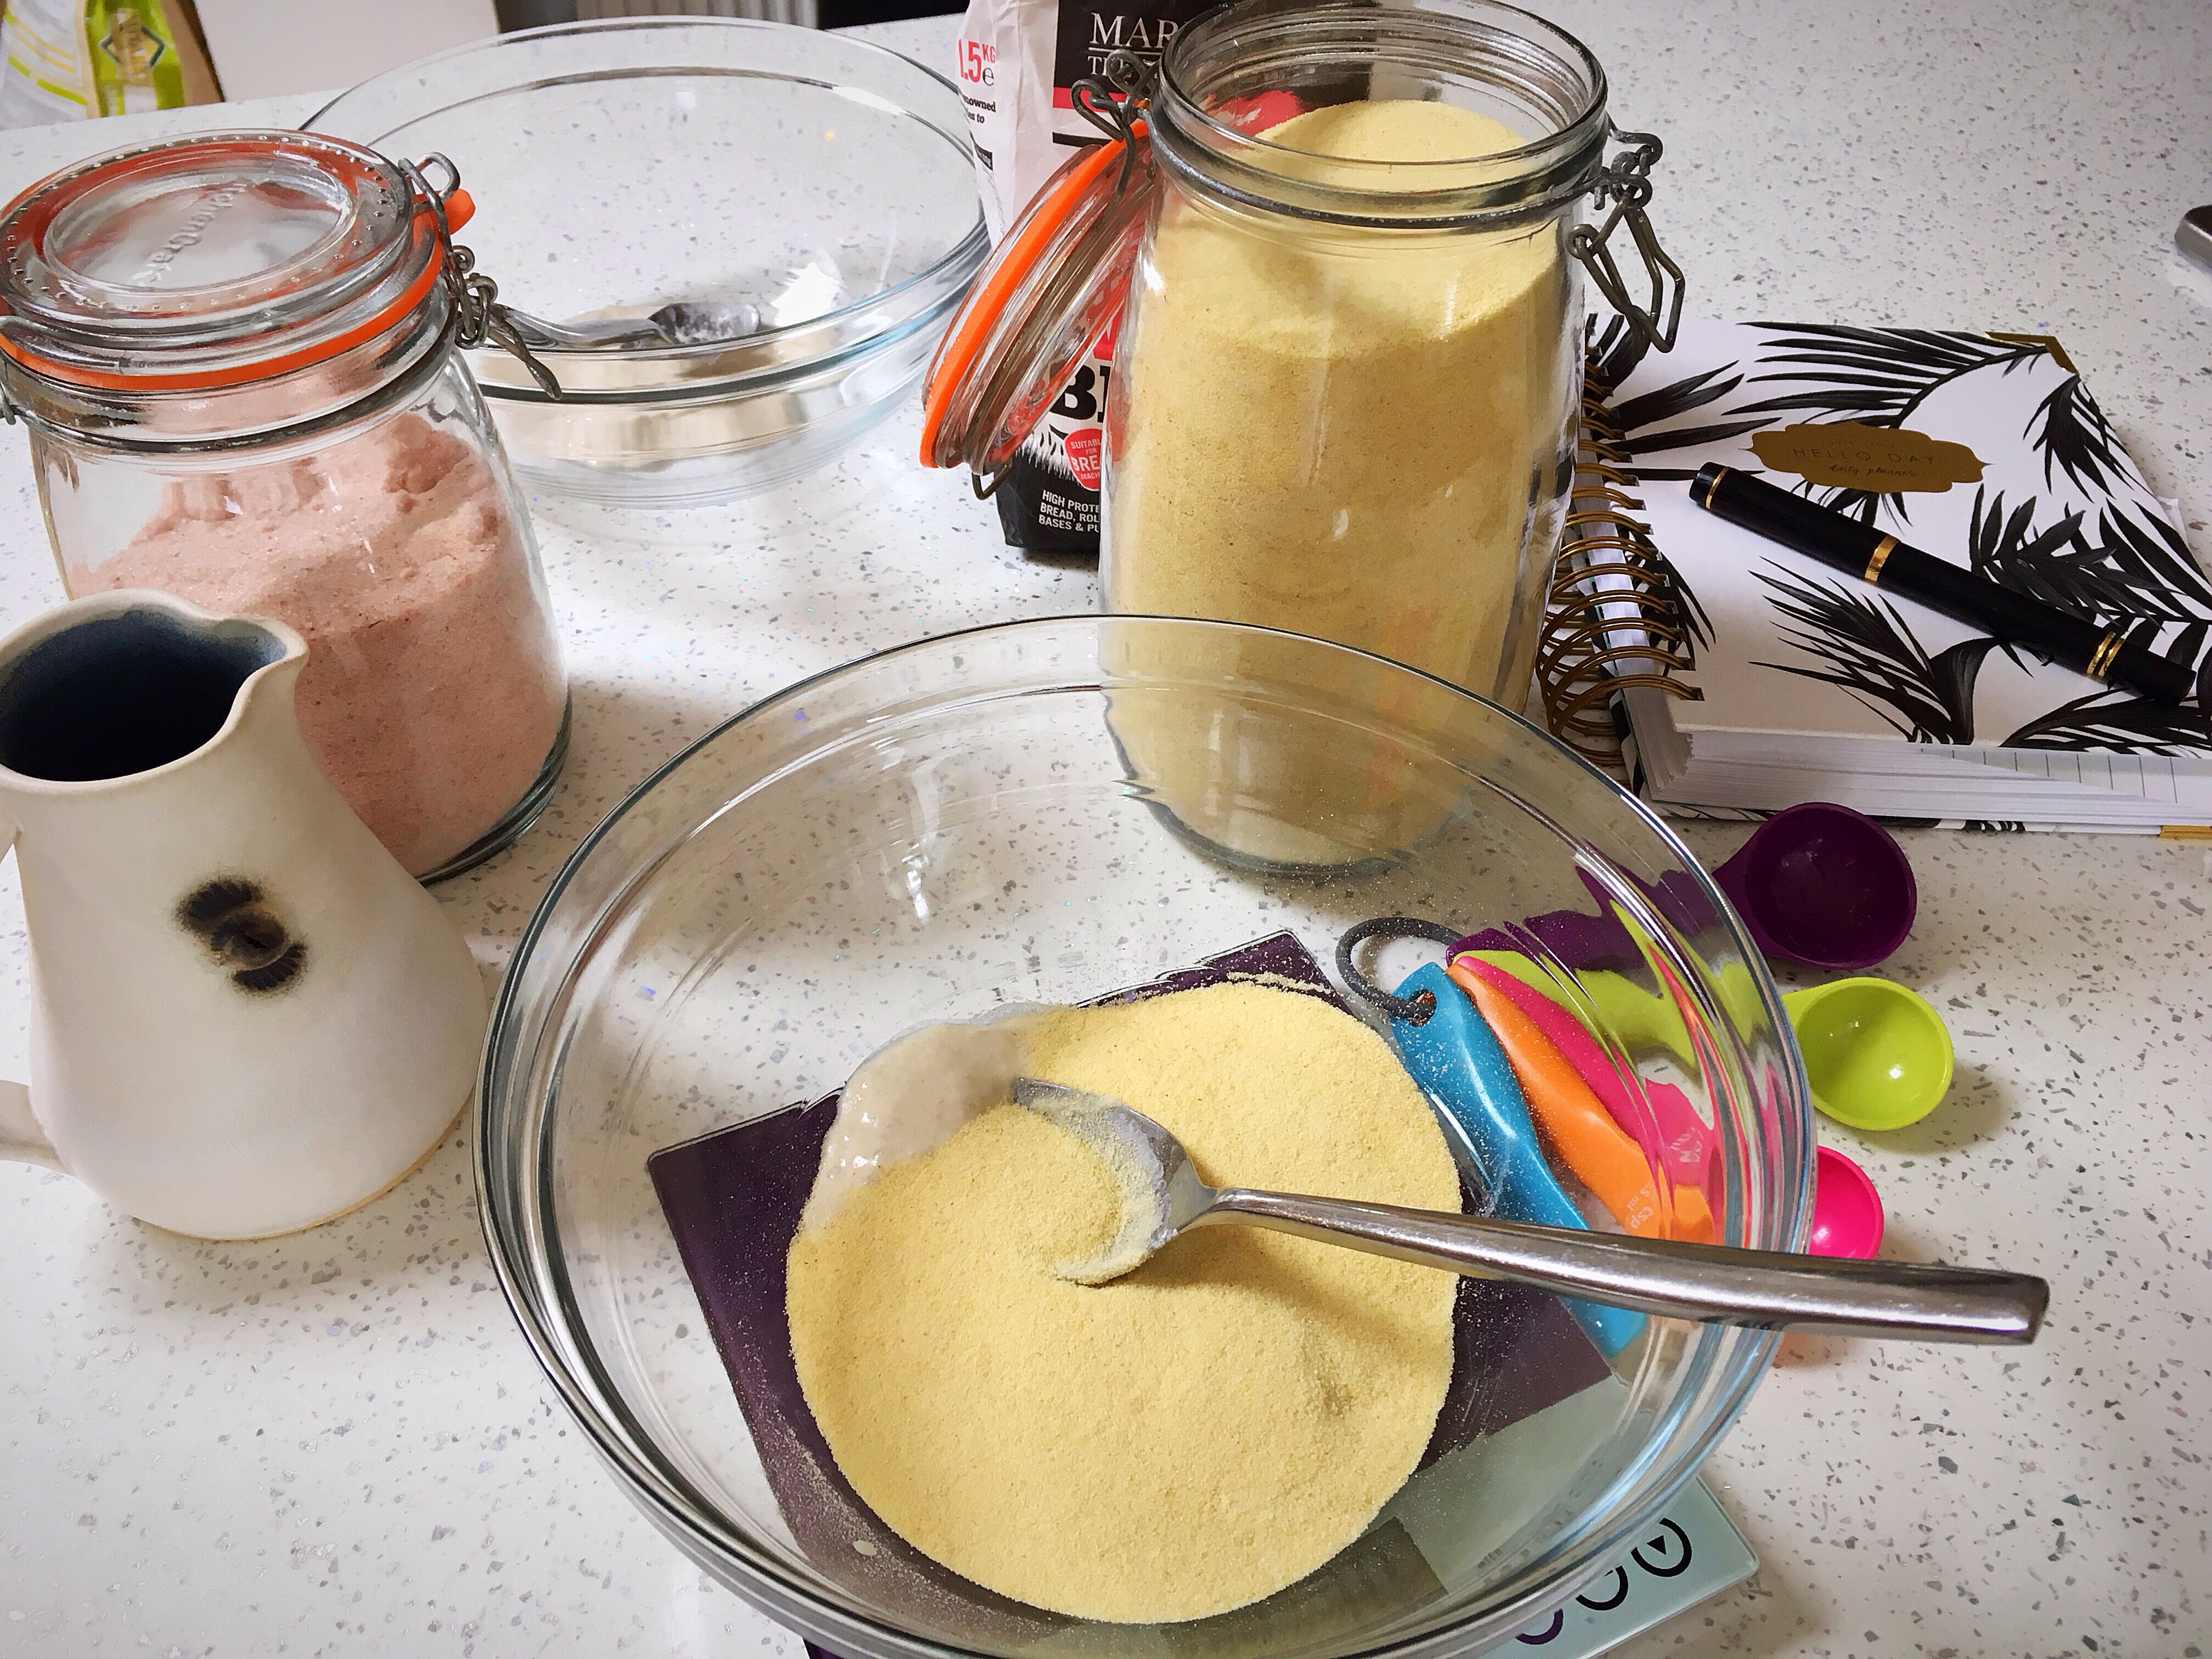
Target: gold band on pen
(1714,488)
(2100,660)
(1882,552)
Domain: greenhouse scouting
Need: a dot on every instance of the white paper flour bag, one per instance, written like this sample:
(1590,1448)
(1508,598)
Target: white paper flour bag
(1015,61)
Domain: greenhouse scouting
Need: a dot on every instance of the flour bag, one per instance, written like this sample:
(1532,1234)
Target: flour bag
(1017,60)
(67,60)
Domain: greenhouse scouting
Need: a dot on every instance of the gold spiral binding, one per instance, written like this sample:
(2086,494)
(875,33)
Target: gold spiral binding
(1609,613)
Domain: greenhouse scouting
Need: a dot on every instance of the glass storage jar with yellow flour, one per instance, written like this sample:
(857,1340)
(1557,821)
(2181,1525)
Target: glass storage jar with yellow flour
(1349,364)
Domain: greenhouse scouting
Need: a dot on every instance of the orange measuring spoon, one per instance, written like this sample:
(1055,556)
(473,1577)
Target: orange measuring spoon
(1569,1115)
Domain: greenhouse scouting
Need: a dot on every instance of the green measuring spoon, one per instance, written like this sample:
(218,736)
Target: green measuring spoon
(1878,1055)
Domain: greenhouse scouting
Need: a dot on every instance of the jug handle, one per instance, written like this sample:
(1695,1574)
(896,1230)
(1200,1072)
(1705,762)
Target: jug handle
(21,1140)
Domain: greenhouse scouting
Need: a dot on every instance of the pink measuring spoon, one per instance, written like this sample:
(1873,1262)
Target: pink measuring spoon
(1847,1212)
(1671,1131)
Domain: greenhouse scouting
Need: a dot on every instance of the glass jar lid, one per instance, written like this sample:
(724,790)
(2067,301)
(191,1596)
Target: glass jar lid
(215,260)
(1053,286)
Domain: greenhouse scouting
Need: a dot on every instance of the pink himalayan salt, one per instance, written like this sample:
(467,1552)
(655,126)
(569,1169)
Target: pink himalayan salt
(433,690)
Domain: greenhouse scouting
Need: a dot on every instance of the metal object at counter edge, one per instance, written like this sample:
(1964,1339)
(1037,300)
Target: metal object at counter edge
(2193,236)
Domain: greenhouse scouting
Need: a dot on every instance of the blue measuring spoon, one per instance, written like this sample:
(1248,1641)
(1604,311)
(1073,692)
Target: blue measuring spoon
(1455,1056)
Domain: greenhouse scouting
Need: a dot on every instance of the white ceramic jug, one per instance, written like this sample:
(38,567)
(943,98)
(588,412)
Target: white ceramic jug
(246,1018)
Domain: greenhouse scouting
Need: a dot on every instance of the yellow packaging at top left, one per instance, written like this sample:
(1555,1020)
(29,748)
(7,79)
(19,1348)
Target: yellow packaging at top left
(66,60)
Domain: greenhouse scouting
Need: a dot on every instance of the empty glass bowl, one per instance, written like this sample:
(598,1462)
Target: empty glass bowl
(622,165)
(1047,811)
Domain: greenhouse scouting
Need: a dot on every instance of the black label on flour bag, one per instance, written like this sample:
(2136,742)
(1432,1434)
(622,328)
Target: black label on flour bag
(1091,32)
(1017,61)
(1049,494)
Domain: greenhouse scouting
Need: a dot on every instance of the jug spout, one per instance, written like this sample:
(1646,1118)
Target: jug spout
(126,684)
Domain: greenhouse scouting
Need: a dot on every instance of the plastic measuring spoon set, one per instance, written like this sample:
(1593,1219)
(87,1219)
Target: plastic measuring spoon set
(1496,1038)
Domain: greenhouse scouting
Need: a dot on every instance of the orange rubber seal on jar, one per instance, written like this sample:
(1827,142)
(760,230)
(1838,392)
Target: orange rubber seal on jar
(216,380)
(980,315)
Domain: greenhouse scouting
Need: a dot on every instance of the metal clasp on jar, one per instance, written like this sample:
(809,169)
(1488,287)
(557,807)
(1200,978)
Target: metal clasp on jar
(1118,118)
(1626,184)
(475,295)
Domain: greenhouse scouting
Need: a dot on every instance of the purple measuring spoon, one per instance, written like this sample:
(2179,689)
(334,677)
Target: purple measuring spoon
(1824,887)
(1817,884)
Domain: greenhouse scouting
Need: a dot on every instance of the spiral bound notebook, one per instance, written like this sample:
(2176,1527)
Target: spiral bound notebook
(1725,675)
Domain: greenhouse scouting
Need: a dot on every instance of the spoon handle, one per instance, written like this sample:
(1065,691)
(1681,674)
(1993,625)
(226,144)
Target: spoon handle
(1708,1282)
(600,332)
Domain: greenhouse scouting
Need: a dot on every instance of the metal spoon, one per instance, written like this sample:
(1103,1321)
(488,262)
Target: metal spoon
(1163,1196)
(682,323)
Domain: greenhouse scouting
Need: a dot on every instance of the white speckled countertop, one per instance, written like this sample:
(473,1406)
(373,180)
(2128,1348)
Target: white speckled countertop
(337,1444)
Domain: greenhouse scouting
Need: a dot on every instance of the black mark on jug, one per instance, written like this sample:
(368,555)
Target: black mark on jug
(232,917)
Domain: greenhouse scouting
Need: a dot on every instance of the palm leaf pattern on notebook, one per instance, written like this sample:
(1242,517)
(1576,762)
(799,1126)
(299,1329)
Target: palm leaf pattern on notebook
(1871,652)
(2127,566)
(1877,377)
(1678,397)
(2152,552)
(2129,582)
(1865,647)
(1650,408)
(1613,355)
(2074,437)
(2116,720)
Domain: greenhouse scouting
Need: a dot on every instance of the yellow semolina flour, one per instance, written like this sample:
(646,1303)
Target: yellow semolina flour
(1348,432)
(1188,1438)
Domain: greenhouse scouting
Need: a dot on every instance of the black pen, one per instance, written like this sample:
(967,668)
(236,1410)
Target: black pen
(1881,561)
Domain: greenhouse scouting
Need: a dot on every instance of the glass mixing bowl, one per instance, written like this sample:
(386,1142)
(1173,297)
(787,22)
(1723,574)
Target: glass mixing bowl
(622,166)
(1047,811)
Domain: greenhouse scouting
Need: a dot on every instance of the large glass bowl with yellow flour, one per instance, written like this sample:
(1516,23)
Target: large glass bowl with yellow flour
(962,827)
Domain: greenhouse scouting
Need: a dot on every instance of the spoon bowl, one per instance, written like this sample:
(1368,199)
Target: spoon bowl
(1822,886)
(1161,1193)
(683,323)
(1847,1214)
(1817,884)
(1878,1055)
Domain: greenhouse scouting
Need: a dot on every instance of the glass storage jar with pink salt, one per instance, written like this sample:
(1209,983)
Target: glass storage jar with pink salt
(238,356)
